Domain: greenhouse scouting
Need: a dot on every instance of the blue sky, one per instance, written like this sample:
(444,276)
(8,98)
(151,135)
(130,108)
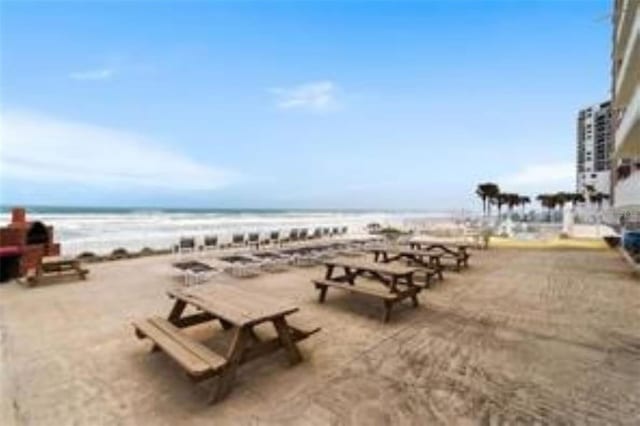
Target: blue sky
(332,104)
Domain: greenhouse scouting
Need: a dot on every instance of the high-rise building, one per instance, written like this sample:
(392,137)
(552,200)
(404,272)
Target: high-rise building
(594,146)
(626,110)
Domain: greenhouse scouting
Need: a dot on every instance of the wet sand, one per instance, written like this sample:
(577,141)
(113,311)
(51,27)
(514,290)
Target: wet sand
(522,337)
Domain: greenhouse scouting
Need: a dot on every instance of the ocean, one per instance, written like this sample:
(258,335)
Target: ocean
(101,230)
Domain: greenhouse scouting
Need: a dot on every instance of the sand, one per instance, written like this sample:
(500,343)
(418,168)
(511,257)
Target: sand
(522,337)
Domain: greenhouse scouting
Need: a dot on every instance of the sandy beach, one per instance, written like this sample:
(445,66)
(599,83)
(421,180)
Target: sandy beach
(521,337)
(310,213)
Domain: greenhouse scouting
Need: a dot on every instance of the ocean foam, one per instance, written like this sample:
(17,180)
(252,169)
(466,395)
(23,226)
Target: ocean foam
(101,232)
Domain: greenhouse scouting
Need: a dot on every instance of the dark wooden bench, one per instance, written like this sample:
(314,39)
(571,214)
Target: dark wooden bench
(199,361)
(388,298)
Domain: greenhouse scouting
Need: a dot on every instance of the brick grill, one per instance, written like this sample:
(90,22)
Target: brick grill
(29,241)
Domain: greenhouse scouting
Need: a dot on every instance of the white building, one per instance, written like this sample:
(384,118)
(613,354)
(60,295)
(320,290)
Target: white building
(626,105)
(594,146)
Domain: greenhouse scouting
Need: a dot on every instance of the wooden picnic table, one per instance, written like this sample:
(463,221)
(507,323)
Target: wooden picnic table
(389,275)
(238,312)
(432,264)
(431,244)
(397,280)
(56,266)
(454,250)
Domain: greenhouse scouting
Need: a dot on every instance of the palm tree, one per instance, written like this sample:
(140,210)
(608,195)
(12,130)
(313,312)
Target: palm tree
(500,199)
(562,198)
(512,201)
(523,201)
(590,190)
(576,197)
(493,197)
(598,198)
(487,191)
(549,201)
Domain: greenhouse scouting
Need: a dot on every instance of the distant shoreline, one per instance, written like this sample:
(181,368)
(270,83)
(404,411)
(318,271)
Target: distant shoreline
(102,230)
(46,209)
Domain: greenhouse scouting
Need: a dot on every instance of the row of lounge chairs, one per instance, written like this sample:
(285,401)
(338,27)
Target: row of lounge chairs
(276,259)
(256,239)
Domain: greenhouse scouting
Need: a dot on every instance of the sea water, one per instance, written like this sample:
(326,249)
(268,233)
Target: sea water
(100,230)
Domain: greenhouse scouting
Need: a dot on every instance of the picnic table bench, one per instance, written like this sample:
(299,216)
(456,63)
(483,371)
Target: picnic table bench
(56,267)
(432,264)
(238,312)
(397,281)
(450,250)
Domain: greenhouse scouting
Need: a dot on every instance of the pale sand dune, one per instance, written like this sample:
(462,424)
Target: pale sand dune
(521,337)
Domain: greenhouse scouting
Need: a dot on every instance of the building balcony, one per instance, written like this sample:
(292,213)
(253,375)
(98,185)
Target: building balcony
(627,10)
(626,192)
(627,135)
(628,76)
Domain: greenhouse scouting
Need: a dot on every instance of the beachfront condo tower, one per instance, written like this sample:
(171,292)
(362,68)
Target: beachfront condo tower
(626,110)
(594,146)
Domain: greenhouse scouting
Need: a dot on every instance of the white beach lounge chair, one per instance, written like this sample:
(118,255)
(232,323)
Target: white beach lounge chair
(186,245)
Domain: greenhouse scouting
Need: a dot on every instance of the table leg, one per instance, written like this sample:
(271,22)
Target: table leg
(234,355)
(323,293)
(427,278)
(225,324)
(412,286)
(427,265)
(394,283)
(387,310)
(350,275)
(329,272)
(177,310)
(435,260)
(253,335)
(284,335)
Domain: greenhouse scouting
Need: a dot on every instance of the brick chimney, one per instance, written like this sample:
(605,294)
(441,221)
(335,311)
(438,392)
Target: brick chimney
(18,218)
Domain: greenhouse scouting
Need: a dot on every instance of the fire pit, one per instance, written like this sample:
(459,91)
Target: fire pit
(23,244)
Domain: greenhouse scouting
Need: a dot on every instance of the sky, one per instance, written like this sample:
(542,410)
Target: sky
(325,104)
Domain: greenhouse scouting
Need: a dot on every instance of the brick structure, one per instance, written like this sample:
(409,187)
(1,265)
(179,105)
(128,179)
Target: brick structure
(23,244)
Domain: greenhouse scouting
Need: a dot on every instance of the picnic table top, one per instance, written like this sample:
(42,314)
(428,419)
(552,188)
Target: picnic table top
(59,260)
(383,268)
(457,244)
(235,305)
(404,250)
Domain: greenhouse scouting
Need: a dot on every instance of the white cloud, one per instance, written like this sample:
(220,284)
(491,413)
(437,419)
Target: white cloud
(541,177)
(37,148)
(96,74)
(316,96)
